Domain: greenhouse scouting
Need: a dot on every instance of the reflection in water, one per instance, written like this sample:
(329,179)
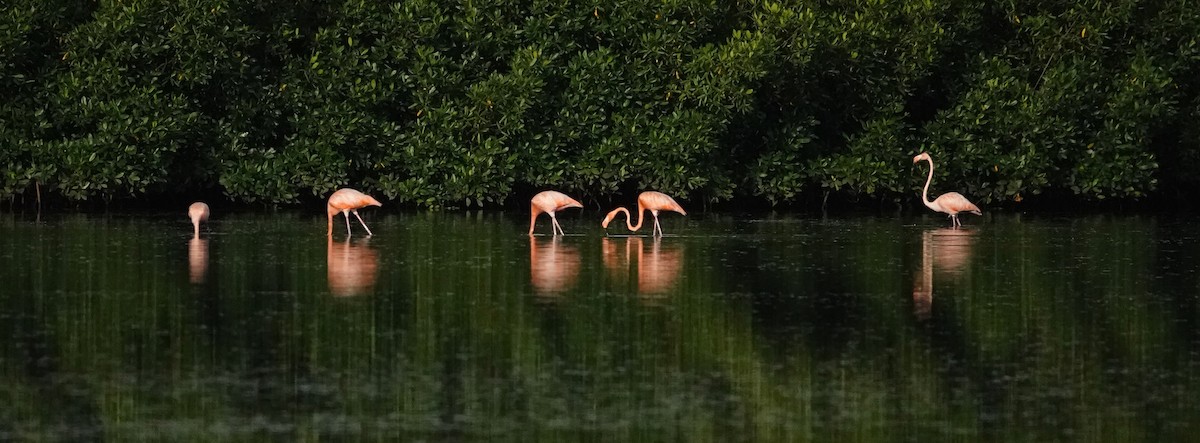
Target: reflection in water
(616,257)
(657,266)
(946,249)
(1078,329)
(553,266)
(197,259)
(353,268)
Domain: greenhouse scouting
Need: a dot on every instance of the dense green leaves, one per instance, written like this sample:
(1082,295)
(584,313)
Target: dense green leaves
(438,104)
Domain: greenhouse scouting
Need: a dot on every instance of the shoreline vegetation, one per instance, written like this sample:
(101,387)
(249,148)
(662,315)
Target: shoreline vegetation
(747,105)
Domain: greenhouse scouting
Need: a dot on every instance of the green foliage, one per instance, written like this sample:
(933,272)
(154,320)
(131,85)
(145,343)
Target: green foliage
(774,174)
(440,104)
(1117,163)
(1003,138)
(864,170)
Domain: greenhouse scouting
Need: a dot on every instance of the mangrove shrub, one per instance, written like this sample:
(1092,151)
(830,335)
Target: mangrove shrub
(469,103)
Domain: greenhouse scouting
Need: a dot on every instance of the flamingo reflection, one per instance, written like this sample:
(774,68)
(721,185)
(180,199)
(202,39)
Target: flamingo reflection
(197,259)
(948,250)
(616,256)
(353,268)
(657,266)
(553,266)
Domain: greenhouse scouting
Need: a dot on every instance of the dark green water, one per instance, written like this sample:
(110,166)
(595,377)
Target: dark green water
(458,326)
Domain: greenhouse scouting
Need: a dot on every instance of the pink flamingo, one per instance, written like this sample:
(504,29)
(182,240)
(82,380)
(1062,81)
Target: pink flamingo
(549,202)
(347,200)
(654,201)
(951,202)
(198,212)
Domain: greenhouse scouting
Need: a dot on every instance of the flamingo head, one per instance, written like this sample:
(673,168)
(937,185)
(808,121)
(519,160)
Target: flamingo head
(608,218)
(921,156)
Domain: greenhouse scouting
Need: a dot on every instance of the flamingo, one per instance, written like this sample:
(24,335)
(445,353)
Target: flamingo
(654,201)
(548,202)
(198,212)
(347,200)
(951,202)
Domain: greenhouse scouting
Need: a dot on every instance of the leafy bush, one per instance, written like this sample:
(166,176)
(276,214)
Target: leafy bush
(440,104)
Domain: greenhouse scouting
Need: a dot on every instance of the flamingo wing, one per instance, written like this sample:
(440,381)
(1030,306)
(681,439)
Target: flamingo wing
(659,202)
(347,198)
(550,201)
(369,201)
(954,203)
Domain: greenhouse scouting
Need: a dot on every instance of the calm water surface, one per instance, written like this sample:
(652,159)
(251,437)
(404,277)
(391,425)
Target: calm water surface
(732,328)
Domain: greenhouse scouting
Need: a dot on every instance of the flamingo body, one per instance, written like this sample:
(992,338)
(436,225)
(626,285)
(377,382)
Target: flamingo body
(198,212)
(953,203)
(649,200)
(549,202)
(950,203)
(346,201)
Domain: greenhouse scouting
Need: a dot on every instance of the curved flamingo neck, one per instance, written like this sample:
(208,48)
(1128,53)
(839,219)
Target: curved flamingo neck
(629,218)
(925,192)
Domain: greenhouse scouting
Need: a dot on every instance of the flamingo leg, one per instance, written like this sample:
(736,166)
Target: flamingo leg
(346,213)
(360,220)
(657,229)
(560,229)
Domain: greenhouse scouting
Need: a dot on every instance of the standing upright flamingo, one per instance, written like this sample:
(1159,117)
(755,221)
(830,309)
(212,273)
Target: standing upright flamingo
(198,212)
(548,202)
(347,200)
(951,202)
(654,201)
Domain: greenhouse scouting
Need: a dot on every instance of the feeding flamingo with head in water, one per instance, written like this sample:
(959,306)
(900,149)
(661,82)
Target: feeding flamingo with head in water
(549,202)
(347,200)
(649,200)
